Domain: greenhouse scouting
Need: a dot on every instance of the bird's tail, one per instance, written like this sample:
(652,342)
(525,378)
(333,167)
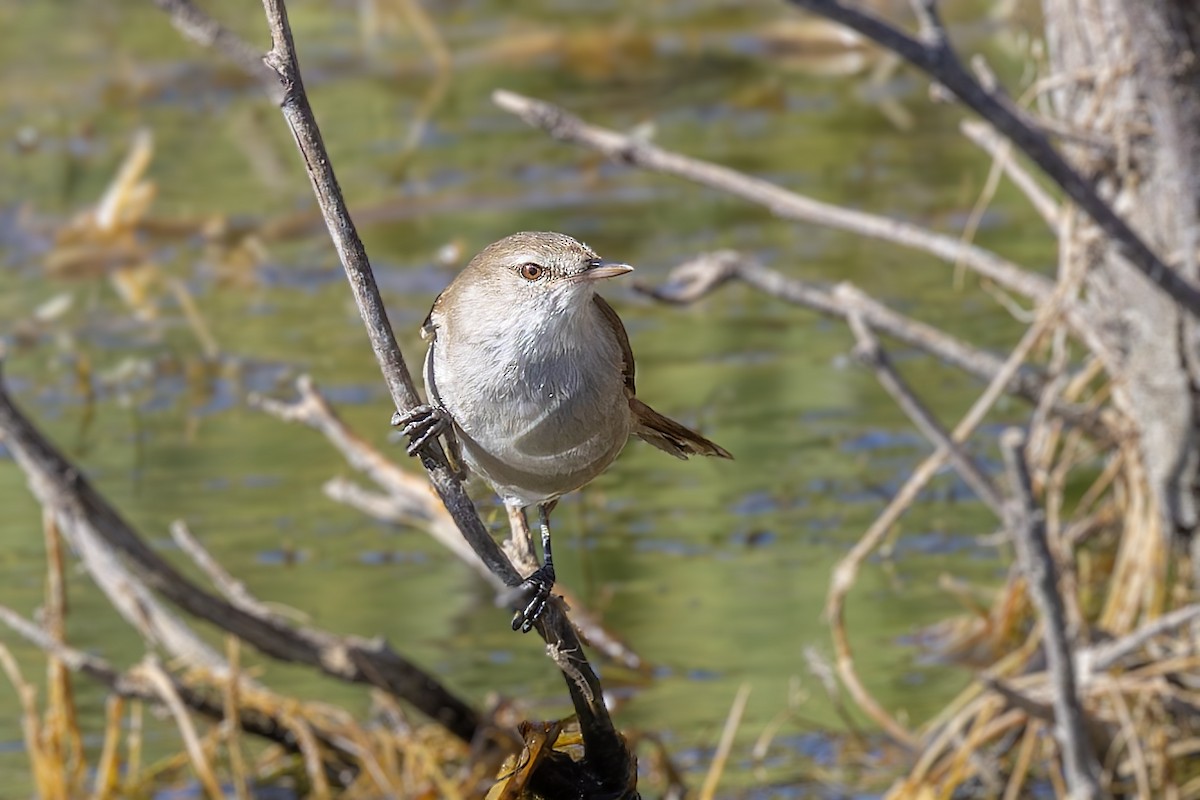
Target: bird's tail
(669,436)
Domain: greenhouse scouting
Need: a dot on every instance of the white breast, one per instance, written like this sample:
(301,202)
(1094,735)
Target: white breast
(539,406)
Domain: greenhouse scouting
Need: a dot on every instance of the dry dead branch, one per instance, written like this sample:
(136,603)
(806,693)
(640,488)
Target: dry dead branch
(630,150)
(76,506)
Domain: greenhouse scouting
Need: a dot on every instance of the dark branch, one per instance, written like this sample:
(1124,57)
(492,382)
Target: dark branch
(1027,524)
(64,491)
(939,61)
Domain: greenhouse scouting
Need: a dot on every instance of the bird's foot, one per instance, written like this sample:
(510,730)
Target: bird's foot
(537,588)
(422,425)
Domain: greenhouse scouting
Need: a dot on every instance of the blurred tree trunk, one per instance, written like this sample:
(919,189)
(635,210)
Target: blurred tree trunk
(1128,78)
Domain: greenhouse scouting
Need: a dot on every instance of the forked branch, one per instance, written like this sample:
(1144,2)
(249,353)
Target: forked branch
(932,53)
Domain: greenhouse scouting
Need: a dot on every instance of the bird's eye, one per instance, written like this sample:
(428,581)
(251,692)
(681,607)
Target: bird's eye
(531,272)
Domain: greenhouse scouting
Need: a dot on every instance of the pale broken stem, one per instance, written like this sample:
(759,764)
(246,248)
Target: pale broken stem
(165,689)
(195,319)
(713,779)
(975,217)
(869,352)
(1100,657)
(1027,523)
(399,510)
(1000,149)
(234,590)
(783,203)
(412,498)
(30,723)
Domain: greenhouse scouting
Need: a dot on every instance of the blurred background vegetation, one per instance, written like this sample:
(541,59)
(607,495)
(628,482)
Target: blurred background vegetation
(137,352)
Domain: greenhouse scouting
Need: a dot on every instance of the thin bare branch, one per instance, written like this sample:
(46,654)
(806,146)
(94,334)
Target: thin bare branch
(1099,657)
(389,508)
(846,571)
(234,590)
(131,686)
(696,278)
(132,599)
(783,203)
(164,687)
(202,29)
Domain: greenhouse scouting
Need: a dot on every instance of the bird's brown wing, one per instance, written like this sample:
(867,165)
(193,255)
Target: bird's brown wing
(648,425)
(618,329)
(669,436)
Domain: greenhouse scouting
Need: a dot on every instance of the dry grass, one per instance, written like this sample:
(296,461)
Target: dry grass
(1118,574)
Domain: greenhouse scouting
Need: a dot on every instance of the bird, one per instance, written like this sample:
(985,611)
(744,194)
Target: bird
(530,376)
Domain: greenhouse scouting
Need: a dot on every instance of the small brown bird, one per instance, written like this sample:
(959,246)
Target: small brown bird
(530,374)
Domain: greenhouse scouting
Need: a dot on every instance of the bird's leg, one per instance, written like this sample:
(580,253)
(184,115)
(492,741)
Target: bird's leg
(538,585)
(422,425)
(519,546)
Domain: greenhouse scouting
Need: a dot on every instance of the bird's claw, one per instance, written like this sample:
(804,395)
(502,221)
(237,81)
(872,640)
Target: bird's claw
(537,588)
(422,425)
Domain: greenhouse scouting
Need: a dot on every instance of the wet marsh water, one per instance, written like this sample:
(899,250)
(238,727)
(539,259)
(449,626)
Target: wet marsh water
(715,572)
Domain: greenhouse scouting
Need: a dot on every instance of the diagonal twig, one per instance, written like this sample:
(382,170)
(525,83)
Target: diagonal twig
(64,491)
(202,29)
(782,202)
(697,277)
(874,356)
(999,148)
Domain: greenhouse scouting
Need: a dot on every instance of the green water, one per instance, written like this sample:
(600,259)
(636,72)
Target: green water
(714,572)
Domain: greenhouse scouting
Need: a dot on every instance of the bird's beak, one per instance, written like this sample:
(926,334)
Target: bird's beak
(599,268)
